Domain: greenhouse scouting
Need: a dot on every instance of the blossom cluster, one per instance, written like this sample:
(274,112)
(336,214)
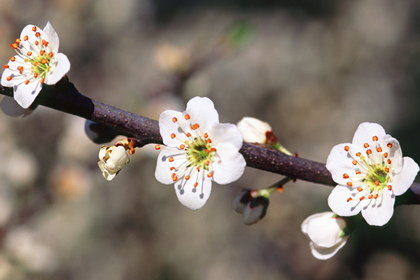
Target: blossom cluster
(198,150)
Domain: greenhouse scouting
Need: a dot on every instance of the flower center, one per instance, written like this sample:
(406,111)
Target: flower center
(199,153)
(373,171)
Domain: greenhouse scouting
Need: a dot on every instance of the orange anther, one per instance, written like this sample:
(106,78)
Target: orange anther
(6,66)
(17,41)
(187,177)
(174,120)
(182,146)
(377,182)
(9,78)
(376,196)
(37,34)
(375,138)
(207,162)
(345,176)
(195,184)
(390,187)
(44,61)
(195,126)
(187,117)
(51,54)
(172,168)
(346,148)
(206,135)
(213,150)
(157,147)
(389,145)
(389,161)
(198,169)
(26,82)
(14,45)
(41,52)
(33,28)
(29,53)
(370,196)
(354,162)
(171,159)
(175,178)
(25,38)
(13,59)
(386,155)
(359,189)
(358,154)
(36,43)
(386,169)
(42,81)
(188,134)
(210,175)
(362,198)
(349,199)
(207,151)
(366,145)
(209,140)
(350,184)
(358,172)
(369,152)
(173,135)
(379,150)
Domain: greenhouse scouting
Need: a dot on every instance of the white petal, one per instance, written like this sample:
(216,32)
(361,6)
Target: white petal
(337,201)
(60,67)
(163,172)
(325,230)
(27,31)
(190,196)
(231,165)
(226,133)
(379,211)
(366,131)
(323,253)
(202,111)
(7,73)
(403,180)
(339,162)
(167,127)
(26,94)
(52,37)
(10,107)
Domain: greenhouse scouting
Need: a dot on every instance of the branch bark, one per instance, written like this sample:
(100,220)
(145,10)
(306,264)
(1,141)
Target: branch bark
(66,98)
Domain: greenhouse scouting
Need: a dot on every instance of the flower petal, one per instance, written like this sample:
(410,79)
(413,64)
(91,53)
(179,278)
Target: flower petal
(51,37)
(190,196)
(4,81)
(167,127)
(339,162)
(379,212)
(366,131)
(198,107)
(402,181)
(226,133)
(59,69)
(323,253)
(163,165)
(231,165)
(26,94)
(337,201)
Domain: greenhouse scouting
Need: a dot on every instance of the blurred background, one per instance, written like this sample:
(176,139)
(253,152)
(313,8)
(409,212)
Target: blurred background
(313,69)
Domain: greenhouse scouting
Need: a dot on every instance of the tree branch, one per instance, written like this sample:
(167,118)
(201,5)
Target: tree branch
(66,98)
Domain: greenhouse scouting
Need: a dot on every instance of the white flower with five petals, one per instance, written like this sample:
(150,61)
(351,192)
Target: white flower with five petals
(327,234)
(37,62)
(369,172)
(198,150)
(111,160)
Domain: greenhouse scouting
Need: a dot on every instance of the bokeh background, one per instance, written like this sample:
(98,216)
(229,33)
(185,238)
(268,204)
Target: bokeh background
(313,69)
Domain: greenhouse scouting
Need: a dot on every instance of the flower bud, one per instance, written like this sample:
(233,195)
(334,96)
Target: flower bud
(255,210)
(241,200)
(326,232)
(254,130)
(112,160)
